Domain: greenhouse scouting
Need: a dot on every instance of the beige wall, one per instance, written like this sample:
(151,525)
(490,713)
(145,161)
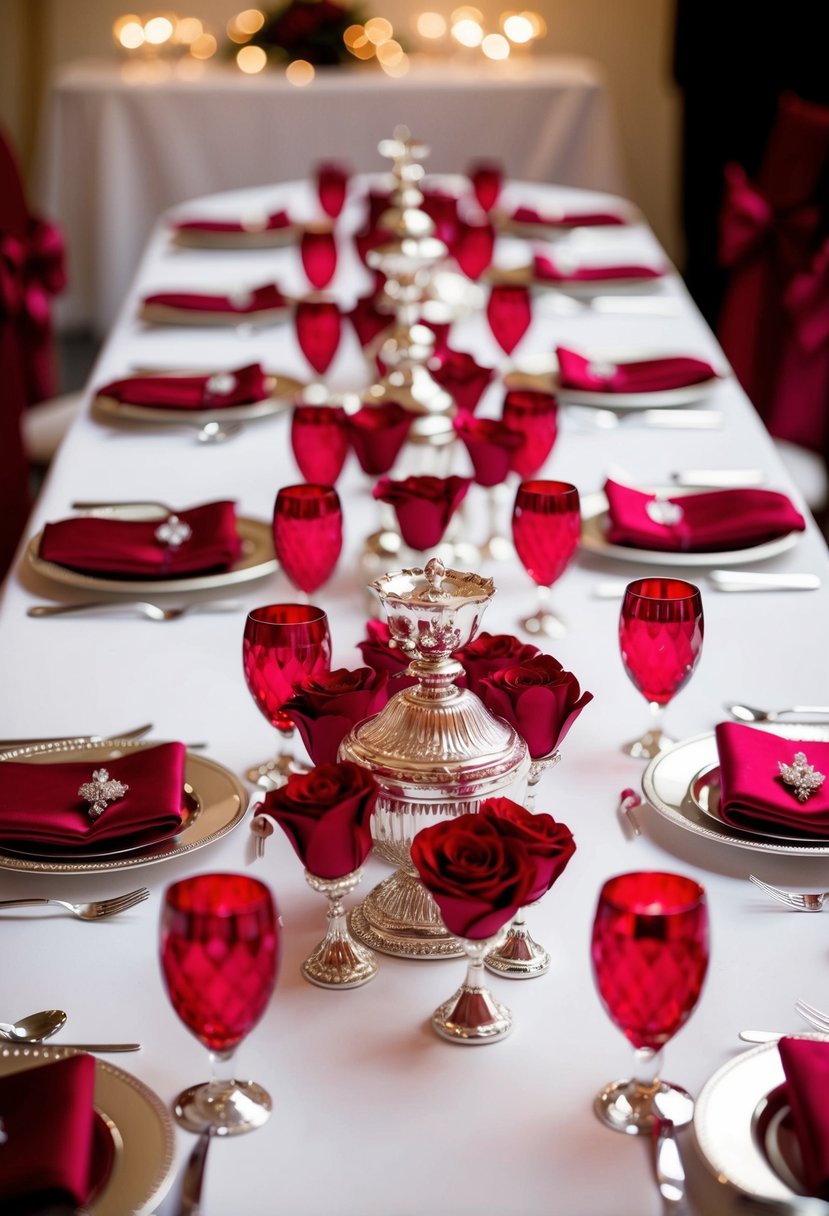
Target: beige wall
(630,38)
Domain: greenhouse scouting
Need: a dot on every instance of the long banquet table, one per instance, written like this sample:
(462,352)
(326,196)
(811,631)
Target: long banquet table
(373,1114)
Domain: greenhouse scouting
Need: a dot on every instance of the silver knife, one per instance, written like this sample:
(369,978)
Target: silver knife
(194,1176)
(101,1048)
(746,580)
(668,1168)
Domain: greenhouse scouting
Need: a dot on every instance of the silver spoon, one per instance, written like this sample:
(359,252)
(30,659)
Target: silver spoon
(34,1028)
(750,713)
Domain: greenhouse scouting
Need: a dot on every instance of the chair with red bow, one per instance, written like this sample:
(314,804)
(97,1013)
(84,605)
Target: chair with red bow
(31,272)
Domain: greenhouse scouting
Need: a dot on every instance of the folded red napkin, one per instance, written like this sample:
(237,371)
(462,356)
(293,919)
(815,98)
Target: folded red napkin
(546,271)
(566,219)
(146,548)
(806,1065)
(40,803)
(634,376)
(706,522)
(267,223)
(209,392)
(755,794)
(48,1156)
(259,299)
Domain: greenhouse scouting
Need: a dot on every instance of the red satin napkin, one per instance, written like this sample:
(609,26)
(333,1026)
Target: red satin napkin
(132,549)
(806,1065)
(546,271)
(49,1122)
(566,219)
(635,376)
(706,522)
(39,803)
(260,299)
(753,793)
(270,223)
(208,392)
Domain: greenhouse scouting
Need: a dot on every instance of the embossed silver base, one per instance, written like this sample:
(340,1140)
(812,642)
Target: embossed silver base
(520,957)
(400,917)
(630,1107)
(228,1108)
(648,745)
(472,1015)
(272,774)
(338,961)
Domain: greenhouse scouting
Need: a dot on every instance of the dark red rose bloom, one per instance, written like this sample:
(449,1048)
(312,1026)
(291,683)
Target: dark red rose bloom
(539,698)
(550,844)
(479,873)
(462,378)
(423,506)
(490,445)
(491,652)
(377,433)
(326,816)
(325,707)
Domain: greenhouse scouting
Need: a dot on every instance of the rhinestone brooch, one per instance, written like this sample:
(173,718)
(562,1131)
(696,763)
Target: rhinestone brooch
(101,790)
(173,532)
(802,776)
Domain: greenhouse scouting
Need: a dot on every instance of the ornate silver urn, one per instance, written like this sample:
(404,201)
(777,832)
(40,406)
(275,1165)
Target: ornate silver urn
(435,751)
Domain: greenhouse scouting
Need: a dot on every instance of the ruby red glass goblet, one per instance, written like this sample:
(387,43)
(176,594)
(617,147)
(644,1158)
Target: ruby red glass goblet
(332,184)
(533,414)
(318,326)
(650,955)
(318,251)
(487,177)
(319,441)
(219,958)
(660,636)
(509,313)
(546,525)
(474,246)
(308,533)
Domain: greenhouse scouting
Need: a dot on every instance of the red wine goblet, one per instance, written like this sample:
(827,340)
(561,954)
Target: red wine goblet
(219,959)
(487,178)
(332,185)
(308,533)
(660,636)
(318,251)
(474,247)
(533,414)
(546,526)
(650,955)
(509,313)
(318,327)
(319,441)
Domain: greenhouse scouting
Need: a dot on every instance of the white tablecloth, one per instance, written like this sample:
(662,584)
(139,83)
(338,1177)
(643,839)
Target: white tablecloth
(373,1114)
(121,144)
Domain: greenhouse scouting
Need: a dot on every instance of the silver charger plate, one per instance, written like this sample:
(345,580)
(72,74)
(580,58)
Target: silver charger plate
(547,365)
(666,784)
(594,540)
(705,791)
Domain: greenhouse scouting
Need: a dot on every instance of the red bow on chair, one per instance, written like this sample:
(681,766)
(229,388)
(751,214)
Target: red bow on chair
(807,300)
(748,222)
(31,271)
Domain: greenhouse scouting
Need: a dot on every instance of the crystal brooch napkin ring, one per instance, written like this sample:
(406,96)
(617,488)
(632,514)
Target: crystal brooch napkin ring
(802,776)
(101,790)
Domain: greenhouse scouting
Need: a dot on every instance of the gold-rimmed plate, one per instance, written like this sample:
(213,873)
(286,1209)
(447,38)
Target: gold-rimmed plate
(257,560)
(253,237)
(282,390)
(542,370)
(139,1123)
(218,801)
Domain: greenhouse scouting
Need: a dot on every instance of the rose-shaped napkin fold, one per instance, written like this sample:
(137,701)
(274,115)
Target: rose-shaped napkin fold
(326,816)
(377,433)
(423,506)
(755,793)
(549,844)
(47,1158)
(704,522)
(806,1065)
(491,652)
(491,446)
(635,376)
(566,219)
(479,873)
(215,391)
(539,698)
(380,655)
(40,803)
(324,708)
(545,270)
(195,541)
(251,226)
(463,379)
(241,303)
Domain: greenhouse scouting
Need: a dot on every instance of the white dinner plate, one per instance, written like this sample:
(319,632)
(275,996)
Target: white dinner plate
(741,1126)
(283,391)
(666,784)
(144,1163)
(594,540)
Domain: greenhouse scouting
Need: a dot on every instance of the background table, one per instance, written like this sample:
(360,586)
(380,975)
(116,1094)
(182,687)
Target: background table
(147,141)
(373,1114)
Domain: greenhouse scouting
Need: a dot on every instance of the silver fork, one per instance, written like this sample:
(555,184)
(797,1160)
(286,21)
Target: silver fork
(815,1017)
(151,611)
(97,910)
(801,901)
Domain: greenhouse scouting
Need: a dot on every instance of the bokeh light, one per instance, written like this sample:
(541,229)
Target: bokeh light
(158,30)
(300,73)
(431,25)
(204,47)
(495,46)
(251,59)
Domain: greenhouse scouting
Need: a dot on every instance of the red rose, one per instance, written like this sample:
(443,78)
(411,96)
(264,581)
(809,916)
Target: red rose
(539,698)
(462,378)
(549,844)
(491,652)
(325,707)
(479,873)
(325,814)
(423,506)
(490,444)
(377,433)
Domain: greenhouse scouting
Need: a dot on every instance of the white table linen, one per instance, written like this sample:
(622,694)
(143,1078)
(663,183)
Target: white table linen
(373,1114)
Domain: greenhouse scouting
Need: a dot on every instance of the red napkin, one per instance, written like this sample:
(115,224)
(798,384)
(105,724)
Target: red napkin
(753,793)
(208,392)
(270,223)
(806,1065)
(40,802)
(546,271)
(131,547)
(49,1122)
(704,523)
(260,299)
(566,219)
(636,376)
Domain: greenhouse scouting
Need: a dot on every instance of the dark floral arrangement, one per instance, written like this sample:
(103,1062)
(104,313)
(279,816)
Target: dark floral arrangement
(308,29)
